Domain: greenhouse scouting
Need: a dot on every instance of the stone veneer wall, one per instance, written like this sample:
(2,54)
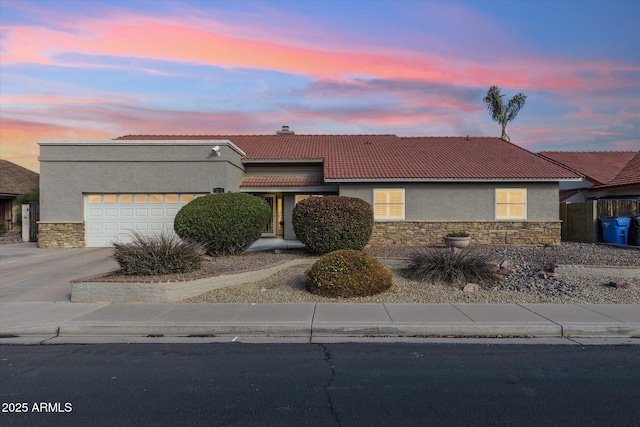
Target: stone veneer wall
(421,233)
(60,234)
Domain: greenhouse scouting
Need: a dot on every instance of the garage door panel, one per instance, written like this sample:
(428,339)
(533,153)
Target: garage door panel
(109,222)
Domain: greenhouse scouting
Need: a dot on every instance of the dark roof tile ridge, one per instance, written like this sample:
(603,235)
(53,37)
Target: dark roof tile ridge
(452,137)
(557,163)
(149,136)
(588,152)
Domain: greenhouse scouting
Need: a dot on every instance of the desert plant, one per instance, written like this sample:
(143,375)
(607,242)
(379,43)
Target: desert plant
(348,273)
(451,267)
(156,255)
(327,224)
(458,234)
(225,224)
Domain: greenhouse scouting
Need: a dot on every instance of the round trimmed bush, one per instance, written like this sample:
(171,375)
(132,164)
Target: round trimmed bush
(225,223)
(327,224)
(348,273)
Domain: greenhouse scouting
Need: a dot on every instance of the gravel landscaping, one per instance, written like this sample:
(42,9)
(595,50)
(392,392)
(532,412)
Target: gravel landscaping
(10,237)
(525,285)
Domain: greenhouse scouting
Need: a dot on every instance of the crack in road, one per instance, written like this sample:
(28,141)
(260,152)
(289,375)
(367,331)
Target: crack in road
(327,358)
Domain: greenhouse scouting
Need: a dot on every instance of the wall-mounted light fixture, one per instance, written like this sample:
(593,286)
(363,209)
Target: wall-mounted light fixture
(216,151)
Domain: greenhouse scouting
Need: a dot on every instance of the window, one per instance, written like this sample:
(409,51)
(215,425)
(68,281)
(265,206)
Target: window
(110,198)
(125,198)
(140,198)
(171,198)
(157,198)
(388,204)
(511,203)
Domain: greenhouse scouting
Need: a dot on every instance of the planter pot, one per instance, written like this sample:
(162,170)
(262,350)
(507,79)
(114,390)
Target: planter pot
(457,242)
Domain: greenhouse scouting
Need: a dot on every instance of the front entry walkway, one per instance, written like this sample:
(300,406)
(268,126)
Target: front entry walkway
(273,243)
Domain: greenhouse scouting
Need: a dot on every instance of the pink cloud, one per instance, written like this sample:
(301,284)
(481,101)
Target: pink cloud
(139,36)
(19,139)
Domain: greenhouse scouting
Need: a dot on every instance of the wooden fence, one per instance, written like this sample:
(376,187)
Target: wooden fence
(580,221)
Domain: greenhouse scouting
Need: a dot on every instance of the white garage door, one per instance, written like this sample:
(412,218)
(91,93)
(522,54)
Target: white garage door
(112,217)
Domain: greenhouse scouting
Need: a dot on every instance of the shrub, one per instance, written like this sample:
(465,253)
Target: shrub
(458,234)
(451,267)
(348,273)
(327,224)
(157,255)
(225,224)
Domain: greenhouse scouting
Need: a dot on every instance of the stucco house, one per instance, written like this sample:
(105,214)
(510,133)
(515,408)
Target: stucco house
(14,181)
(421,188)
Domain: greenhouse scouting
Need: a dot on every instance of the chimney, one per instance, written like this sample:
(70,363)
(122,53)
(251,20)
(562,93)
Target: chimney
(285,131)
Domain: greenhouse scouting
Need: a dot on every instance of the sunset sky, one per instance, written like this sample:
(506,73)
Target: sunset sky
(101,69)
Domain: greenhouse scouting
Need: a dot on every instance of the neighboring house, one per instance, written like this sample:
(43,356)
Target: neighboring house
(611,188)
(599,169)
(625,184)
(14,181)
(420,188)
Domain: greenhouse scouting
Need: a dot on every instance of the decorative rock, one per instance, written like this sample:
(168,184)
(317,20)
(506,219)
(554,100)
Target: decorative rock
(619,284)
(471,288)
(506,264)
(552,275)
(506,271)
(542,275)
(278,251)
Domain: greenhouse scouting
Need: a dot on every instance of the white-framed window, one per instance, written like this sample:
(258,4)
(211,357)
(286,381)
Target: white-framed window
(511,203)
(388,204)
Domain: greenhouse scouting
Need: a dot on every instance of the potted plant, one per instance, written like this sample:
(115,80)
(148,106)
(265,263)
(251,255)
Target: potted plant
(459,239)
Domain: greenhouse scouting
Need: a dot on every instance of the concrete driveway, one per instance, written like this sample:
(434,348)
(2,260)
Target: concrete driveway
(30,274)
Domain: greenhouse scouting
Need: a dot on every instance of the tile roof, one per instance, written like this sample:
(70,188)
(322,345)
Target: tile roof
(282,181)
(598,167)
(628,175)
(389,157)
(15,180)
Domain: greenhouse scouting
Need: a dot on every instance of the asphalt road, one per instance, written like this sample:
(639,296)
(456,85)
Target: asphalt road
(353,384)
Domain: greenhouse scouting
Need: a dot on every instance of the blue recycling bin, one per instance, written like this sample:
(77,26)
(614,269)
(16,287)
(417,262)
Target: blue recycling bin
(615,230)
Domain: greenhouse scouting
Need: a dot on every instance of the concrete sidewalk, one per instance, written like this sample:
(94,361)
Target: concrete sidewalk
(322,319)
(35,290)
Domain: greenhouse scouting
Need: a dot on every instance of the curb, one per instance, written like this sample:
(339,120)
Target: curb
(439,329)
(326,329)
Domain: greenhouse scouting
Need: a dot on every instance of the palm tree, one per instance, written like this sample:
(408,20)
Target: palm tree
(500,112)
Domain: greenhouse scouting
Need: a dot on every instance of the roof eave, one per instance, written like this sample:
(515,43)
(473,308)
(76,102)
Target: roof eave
(451,179)
(292,189)
(143,142)
(284,160)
